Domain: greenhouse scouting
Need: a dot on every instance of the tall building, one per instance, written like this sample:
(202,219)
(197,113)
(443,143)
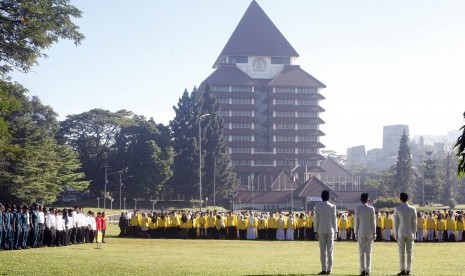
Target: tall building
(270,106)
(357,156)
(391,139)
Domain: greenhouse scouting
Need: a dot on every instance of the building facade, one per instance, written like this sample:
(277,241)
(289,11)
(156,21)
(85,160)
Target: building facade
(270,106)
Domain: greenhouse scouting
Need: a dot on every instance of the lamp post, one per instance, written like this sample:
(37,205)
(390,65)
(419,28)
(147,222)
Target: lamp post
(206,202)
(292,189)
(153,205)
(200,158)
(120,187)
(214,183)
(111,207)
(105,189)
(98,203)
(124,201)
(135,204)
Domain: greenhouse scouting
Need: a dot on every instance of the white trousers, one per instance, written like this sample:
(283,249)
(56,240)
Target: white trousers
(387,234)
(420,234)
(440,235)
(405,252)
(364,249)
(326,250)
(430,234)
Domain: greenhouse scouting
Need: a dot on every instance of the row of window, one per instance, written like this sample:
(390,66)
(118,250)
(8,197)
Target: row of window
(278,150)
(291,126)
(238,113)
(236,100)
(295,102)
(300,138)
(271,162)
(294,114)
(232,88)
(293,89)
(245,59)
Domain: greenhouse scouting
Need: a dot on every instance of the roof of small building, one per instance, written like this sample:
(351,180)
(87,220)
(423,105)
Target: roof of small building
(334,171)
(256,35)
(284,181)
(293,75)
(262,196)
(313,188)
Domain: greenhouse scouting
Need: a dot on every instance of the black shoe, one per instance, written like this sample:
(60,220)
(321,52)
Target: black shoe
(328,272)
(367,273)
(363,273)
(401,273)
(407,272)
(322,273)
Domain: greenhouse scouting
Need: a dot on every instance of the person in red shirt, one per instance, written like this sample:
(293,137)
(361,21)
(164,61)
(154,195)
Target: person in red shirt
(98,223)
(104,226)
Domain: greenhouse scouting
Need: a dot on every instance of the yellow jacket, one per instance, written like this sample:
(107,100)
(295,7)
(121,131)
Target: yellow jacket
(272,223)
(441,225)
(290,224)
(309,223)
(430,223)
(145,222)
(300,222)
(242,224)
(450,224)
(342,224)
(379,222)
(202,222)
(162,222)
(211,221)
(387,223)
(459,225)
(135,221)
(231,220)
(152,224)
(262,224)
(350,221)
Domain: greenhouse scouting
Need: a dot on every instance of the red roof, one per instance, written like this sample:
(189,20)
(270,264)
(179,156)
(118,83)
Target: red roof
(256,35)
(293,75)
(229,74)
(313,188)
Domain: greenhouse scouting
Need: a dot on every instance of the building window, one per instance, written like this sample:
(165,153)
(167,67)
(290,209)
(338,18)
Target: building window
(242,100)
(307,150)
(238,59)
(241,88)
(241,138)
(223,100)
(241,150)
(242,113)
(263,162)
(280,60)
(241,125)
(286,114)
(285,126)
(220,88)
(284,102)
(224,113)
(286,162)
(307,126)
(307,138)
(285,138)
(285,150)
(306,102)
(284,89)
(307,114)
(306,90)
(308,163)
(241,162)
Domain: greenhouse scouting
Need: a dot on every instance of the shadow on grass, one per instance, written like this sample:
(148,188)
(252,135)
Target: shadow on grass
(307,274)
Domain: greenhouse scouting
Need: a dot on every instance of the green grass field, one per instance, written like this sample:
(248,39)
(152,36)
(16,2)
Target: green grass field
(211,257)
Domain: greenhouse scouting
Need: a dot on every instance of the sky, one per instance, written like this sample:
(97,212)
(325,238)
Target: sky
(384,62)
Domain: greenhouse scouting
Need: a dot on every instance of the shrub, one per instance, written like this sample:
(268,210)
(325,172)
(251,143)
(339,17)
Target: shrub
(386,202)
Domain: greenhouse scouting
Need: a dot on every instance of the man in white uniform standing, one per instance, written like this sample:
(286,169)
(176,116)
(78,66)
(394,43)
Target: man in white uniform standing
(325,225)
(365,233)
(405,224)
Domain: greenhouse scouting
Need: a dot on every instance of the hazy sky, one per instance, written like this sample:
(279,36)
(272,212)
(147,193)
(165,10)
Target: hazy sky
(384,62)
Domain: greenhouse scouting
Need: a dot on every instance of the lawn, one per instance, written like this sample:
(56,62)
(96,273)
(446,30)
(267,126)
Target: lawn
(211,257)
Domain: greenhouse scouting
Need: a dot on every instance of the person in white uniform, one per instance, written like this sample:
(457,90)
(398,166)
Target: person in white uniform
(405,226)
(325,225)
(365,233)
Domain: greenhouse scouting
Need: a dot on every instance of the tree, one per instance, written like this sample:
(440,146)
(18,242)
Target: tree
(430,184)
(404,166)
(219,179)
(460,146)
(29,27)
(93,135)
(339,158)
(10,95)
(36,168)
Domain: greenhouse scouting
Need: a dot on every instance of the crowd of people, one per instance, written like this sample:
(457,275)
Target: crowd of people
(436,226)
(24,227)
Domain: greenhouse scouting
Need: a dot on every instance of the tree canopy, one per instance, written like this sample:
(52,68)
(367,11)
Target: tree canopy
(460,146)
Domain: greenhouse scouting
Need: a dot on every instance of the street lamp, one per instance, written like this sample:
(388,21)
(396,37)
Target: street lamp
(124,205)
(200,158)
(98,203)
(111,207)
(120,187)
(206,202)
(153,205)
(292,189)
(135,204)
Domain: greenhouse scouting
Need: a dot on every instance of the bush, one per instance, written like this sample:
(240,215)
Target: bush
(386,202)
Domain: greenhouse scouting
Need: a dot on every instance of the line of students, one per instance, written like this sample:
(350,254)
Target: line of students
(22,227)
(275,225)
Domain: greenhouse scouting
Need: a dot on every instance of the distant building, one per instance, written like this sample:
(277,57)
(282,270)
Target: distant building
(391,139)
(357,156)
(270,106)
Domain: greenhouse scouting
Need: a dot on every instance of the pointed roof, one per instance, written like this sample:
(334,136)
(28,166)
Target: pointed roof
(293,75)
(284,182)
(256,35)
(229,74)
(313,188)
(334,171)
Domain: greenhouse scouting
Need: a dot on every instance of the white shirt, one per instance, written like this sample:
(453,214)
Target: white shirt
(75,220)
(41,217)
(92,223)
(50,221)
(59,223)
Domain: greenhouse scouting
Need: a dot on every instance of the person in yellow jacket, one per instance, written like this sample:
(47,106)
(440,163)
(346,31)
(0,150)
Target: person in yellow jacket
(388,225)
(252,224)
(231,224)
(379,225)
(350,226)
(290,227)
(280,228)
(421,221)
(342,226)
(174,223)
(309,232)
(450,226)
(135,223)
(145,223)
(220,226)
(242,227)
(183,225)
(153,225)
(272,225)
(211,231)
(261,228)
(460,227)
(192,225)
(202,226)
(430,227)
(441,226)
(300,226)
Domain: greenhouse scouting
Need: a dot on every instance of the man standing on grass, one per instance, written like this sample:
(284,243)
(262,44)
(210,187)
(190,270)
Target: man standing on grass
(365,233)
(325,225)
(405,223)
